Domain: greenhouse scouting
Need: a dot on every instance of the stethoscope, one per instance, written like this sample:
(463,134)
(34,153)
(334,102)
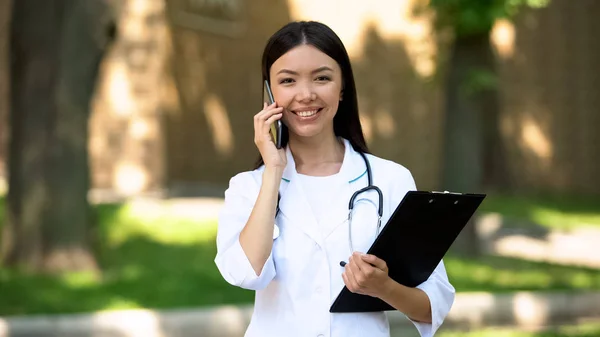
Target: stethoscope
(369,187)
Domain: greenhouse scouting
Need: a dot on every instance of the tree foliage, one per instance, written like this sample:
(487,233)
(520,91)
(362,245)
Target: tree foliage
(474,17)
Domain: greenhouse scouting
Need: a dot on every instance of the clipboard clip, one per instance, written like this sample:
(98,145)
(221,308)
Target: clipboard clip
(447,192)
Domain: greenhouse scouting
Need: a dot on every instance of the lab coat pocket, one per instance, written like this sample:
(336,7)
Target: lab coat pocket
(291,251)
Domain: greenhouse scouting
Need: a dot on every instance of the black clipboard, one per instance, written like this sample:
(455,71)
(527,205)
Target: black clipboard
(414,241)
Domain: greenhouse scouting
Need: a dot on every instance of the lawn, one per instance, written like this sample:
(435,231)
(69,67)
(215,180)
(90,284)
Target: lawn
(155,258)
(559,212)
(150,258)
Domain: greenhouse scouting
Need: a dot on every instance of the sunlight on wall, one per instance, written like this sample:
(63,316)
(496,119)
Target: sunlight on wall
(143,128)
(143,7)
(393,19)
(534,139)
(503,38)
(119,90)
(386,126)
(97,145)
(530,133)
(139,129)
(170,95)
(130,178)
(528,125)
(367,127)
(220,127)
(381,122)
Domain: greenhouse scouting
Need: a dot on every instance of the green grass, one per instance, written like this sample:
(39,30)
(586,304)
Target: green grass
(502,274)
(582,330)
(150,258)
(153,257)
(559,212)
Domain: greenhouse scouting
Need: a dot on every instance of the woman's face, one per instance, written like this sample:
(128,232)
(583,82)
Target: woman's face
(307,83)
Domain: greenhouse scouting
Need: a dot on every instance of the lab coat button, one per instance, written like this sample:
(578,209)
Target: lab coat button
(318,290)
(321,335)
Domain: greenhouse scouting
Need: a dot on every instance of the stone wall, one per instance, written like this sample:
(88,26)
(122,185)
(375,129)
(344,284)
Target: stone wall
(127,134)
(550,104)
(178,90)
(219,76)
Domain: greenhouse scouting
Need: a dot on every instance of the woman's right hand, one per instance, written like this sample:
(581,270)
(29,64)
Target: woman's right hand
(271,156)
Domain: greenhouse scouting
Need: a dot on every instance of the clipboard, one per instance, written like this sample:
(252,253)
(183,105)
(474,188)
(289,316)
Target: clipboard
(414,241)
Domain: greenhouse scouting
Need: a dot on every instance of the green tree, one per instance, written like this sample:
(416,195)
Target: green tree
(55,52)
(473,153)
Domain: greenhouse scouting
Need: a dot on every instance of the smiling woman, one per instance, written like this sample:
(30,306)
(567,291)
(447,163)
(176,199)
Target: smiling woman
(283,229)
(308,85)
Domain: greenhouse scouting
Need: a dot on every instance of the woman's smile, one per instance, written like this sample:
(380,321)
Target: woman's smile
(306,114)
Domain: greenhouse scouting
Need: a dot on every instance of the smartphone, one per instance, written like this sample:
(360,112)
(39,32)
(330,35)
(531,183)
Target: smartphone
(277,126)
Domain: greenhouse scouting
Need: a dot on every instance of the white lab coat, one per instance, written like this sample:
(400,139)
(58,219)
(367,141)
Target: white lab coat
(302,276)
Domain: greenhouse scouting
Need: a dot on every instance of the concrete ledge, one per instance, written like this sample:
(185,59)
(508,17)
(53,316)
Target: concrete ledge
(523,309)
(574,247)
(470,310)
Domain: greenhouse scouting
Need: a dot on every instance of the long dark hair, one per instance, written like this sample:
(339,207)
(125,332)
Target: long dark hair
(346,123)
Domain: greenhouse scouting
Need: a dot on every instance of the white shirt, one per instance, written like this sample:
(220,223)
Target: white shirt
(319,192)
(302,276)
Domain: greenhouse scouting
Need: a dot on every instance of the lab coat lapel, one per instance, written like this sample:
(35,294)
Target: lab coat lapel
(352,168)
(293,203)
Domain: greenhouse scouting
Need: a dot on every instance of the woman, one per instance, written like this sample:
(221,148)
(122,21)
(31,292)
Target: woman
(289,250)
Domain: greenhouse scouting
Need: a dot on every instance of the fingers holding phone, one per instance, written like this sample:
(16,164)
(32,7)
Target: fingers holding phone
(263,135)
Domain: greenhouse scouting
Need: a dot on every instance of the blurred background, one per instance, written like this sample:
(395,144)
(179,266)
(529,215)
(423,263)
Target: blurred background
(122,121)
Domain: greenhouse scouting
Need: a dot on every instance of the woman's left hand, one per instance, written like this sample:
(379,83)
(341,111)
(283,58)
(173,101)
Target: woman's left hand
(366,274)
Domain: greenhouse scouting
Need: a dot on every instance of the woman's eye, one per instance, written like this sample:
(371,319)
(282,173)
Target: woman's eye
(286,80)
(323,78)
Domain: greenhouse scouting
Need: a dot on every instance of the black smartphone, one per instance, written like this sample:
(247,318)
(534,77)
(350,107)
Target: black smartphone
(277,126)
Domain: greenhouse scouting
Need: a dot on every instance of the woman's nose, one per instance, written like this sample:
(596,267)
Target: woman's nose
(306,93)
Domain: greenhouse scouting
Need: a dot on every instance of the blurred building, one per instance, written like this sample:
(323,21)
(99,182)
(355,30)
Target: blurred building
(174,106)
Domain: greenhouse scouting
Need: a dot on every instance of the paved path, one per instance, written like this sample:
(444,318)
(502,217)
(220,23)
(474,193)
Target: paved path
(470,311)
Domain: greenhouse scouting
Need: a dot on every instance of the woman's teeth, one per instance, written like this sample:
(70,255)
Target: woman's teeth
(306,113)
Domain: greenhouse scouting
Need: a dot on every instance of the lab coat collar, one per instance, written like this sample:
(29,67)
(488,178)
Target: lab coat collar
(294,204)
(353,167)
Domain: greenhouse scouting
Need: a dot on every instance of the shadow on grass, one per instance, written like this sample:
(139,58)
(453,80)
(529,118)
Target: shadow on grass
(504,274)
(558,211)
(137,273)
